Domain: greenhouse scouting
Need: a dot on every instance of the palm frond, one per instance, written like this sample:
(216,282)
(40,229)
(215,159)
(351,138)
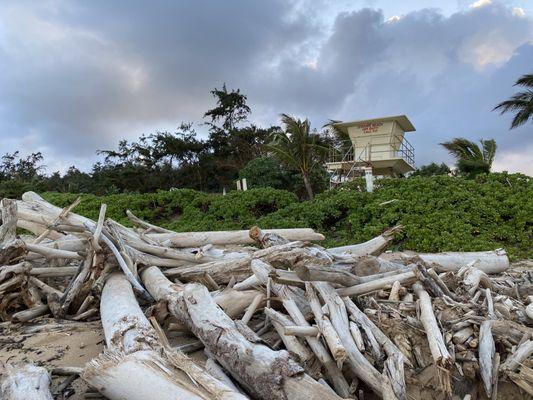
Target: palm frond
(521,103)
(489,150)
(525,80)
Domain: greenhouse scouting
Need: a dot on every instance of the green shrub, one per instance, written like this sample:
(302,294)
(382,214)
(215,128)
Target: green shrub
(440,213)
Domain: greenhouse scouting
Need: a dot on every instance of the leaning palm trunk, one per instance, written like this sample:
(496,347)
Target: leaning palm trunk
(307,184)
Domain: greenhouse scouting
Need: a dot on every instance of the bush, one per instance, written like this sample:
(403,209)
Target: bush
(440,213)
(265,172)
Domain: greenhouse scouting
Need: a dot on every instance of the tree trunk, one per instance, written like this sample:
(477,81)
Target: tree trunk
(307,184)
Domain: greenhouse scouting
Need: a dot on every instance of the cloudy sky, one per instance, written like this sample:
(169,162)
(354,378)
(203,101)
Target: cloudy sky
(76,76)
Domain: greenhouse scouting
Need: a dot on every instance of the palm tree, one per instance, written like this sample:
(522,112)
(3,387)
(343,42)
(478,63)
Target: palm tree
(522,102)
(297,147)
(472,159)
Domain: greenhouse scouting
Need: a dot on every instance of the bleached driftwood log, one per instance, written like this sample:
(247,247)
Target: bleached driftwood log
(24,382)
(441,356)
(490,262)
(372,247)
(360,366)
(10,247)
(302,331)
(514,360)
(368,287)
(311,273)
(486,356)
(221,271)
(326,328)
(135,365)
(266,239)
(362,320)
(474,277)
(146,225)
(303,355)
(332,372)
(197,239)
(264,373)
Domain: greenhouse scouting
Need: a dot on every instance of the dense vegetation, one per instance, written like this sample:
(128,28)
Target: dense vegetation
(440,213)
(182,158)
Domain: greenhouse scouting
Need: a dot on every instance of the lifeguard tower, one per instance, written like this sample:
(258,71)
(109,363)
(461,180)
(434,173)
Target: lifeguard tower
(376,147)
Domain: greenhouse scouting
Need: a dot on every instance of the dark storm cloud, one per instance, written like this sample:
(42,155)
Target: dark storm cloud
(77,76)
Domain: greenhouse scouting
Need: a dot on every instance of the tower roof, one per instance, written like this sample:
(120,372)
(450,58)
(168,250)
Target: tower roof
(402,120)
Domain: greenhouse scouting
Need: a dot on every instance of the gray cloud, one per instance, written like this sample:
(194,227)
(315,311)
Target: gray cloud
(77,76)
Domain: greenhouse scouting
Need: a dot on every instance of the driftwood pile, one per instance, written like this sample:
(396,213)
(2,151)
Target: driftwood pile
(282,319)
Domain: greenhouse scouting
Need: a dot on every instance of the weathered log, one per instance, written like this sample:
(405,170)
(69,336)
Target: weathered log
(362,320)
(15,269)
(197,239)
(49,252)
(474,278)
(30,313)
(359,365)
(143,224)
(134,367)
(301,330)
(332,372)
(266,239)
(441,357)
(523,379)
(25,382)
(11,248)
(8,229)
(262,270)
(53,272)
(303,355)
(99,226)
(373,247)
(372,286)
(326,328)
(63,213)
(486,356)
(263,372)
(154,254)
(252,308)
(357,336)
(74,291)
(514,359)
(220,271)
(490,262)
(328,274)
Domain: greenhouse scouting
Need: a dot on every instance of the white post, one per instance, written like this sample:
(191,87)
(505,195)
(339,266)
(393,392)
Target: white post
(224,191)
(244,184)
(369,180)
(239,184)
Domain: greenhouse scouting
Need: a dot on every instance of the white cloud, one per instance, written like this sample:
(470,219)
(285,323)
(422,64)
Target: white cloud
(518,12)
(515,161)
(394,18)
(75,81)
(480,3)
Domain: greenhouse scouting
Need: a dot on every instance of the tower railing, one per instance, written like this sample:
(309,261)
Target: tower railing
(396,147)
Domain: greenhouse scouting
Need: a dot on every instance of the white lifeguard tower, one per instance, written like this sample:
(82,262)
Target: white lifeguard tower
(376,147)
